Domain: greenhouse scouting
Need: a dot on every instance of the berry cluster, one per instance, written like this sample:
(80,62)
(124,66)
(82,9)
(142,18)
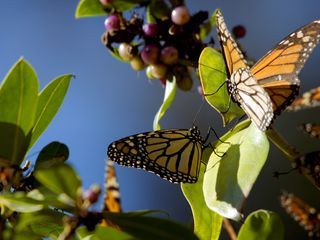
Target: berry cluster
(167,46)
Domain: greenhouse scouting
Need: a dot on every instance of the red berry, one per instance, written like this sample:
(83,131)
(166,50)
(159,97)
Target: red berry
(105,2)
(150,53)
(169,55)
(150,30)
(126,51)
(180,15)
(239,31)
(159,70)
(112,23)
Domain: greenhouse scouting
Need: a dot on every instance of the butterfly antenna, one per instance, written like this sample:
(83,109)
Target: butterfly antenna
(198,112)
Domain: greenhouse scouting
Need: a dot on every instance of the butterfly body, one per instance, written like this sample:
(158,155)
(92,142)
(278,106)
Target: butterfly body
(276,72)
(172,154)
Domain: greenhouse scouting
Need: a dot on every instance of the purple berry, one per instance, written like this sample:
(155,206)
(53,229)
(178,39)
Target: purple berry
(169,55)
(180,15)
(150,53)
(159,70)
(239,31)
(150,30)
(126,51)
(112,23)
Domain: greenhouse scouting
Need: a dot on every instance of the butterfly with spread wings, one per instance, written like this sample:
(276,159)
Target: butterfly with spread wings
(173,154)
(266,89)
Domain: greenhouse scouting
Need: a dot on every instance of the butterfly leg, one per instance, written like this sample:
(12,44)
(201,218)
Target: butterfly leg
(215,133)
(219,155)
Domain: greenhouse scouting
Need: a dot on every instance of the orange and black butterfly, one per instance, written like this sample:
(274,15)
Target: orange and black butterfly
(112,201)
(307,216)
(309,165)
(172,154)
(313,129)
(309,99)
(266,89)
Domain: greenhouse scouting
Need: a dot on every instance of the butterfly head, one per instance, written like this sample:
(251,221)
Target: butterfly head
(194,133)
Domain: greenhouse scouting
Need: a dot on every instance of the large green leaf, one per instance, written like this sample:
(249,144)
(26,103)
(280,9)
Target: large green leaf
(149,228)
(262,225)
(50,100)
(213,80)
(53,153)
(207,224)
(169,95)
(18,103)
(62,180)
(100,233)
(20,202)
(229,178)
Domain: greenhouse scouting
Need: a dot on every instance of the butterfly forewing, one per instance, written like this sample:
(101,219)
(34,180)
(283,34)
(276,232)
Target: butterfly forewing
(174,154)
(231,52)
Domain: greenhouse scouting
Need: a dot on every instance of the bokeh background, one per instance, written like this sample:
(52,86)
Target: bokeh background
(108,100)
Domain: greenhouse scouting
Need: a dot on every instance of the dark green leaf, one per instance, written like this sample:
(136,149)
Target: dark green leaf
(150,18)
(262,225)
(206,28)
(213,80)
(18,102)
(207,224)
(52,154)
(20,202)
(50,100)
(229,179)
(159,9)
(150,228)
(62,180)
(169,94)
(100,233)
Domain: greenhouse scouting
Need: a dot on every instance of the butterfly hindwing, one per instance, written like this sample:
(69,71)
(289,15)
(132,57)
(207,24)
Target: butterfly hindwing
(173,154)
(112,201)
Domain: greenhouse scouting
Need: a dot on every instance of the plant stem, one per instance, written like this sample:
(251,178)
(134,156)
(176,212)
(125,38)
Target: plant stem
(229,228)
(290,152)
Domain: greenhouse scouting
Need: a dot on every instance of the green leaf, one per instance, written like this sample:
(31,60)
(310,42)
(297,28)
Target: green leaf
(53,153)
(50,100)
(20,202)
(262,225)
(229,178)
(159,9)
(149,17)
(207,224)
(206,28)
(100,233)
(149,228)
(62,180)
(169,94)
(89,8)
(213,80)
(18,103)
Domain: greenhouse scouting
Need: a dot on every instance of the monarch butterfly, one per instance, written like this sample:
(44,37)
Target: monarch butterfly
(266,89)
(112,201)
(309,99)
(309,164)
(173,154)
(312,129)
(307,216)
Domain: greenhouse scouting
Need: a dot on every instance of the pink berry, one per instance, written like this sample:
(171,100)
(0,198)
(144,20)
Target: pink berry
(112,23)
(169,55)
(150,53)
(126,51)
(159,70)
(180,15)
(239,31)
(105,2)
(150,30)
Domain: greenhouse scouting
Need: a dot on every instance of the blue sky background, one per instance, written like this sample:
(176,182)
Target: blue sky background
(107,100)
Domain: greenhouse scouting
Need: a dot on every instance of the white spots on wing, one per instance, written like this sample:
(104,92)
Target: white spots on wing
(292,34)
(299,34)
(290,43)
(279,77)
(285,42)
(317,21)
(306,39)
